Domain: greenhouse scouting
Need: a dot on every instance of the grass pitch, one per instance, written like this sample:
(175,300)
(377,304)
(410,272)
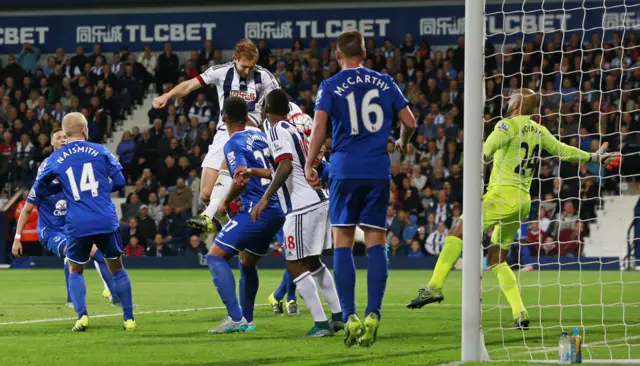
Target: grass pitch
(176,307)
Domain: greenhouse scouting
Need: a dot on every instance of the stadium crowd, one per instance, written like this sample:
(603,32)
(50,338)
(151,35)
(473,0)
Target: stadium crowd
(589,94)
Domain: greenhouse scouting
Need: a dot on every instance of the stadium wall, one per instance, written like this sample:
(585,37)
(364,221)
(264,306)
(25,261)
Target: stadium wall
(545,263)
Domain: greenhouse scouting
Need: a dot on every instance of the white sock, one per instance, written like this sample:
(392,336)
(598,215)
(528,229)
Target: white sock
(309,293)
(99,274)
(327,288)
(220,190)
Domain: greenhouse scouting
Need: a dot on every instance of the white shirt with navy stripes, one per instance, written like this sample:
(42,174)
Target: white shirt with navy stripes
(228,83)
(296,195)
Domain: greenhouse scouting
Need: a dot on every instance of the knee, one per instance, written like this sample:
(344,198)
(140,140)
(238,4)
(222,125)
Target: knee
(76,268)
(205,194)
(313,263)
(296,268)
(115,265)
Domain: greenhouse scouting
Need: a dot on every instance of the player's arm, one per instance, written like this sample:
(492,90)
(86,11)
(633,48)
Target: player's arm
(115,171)
(32,200)
(178,91)
(43,180)
(501,136)
(318,134)
(573,155)
(285,167)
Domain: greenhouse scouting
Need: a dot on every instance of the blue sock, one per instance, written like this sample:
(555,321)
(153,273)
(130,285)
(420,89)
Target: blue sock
(282,288)
(249,283)
(78,292)
(377,273)
(344,271)
(104,272)
(123,290)
(291,287)
(66,279)
(225,284)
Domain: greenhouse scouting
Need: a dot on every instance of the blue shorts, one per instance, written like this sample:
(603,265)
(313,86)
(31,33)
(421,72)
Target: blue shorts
(79,249)
(54,241)
(359,202)
(242,234)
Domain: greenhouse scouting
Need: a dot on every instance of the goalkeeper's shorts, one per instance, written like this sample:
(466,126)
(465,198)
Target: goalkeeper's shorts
(505,210)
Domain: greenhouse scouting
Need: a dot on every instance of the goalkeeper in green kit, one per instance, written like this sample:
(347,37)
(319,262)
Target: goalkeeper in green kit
(515,144)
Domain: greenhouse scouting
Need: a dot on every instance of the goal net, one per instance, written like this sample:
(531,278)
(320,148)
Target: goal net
(570,255)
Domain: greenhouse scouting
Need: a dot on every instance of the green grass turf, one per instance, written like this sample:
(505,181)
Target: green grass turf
(419,337)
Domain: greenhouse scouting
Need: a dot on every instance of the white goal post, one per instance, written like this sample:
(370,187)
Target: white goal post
(594,290)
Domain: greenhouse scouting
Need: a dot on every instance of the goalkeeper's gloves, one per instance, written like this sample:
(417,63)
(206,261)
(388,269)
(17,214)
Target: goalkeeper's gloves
(608,160)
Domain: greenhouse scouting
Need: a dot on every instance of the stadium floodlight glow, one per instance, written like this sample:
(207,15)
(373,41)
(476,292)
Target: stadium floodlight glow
(583,41)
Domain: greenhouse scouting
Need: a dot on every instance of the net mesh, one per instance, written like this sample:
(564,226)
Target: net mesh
(582,59)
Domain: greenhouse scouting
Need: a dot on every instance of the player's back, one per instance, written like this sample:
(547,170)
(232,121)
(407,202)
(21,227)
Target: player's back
(83,170)
(296,195)
(362,105)
(515,161)
(250,148)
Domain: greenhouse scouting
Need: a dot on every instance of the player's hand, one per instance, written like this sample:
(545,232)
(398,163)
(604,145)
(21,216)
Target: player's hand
(608,160)
(400,145)
(16,249)
(257,210)
(161,101)
(241,176)
(312,177)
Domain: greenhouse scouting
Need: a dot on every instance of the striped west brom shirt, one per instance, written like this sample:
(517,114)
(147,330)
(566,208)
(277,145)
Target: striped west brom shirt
(228,83)
(294,111)
(296,195)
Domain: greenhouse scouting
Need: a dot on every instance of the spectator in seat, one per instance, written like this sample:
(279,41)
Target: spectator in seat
(146,225)
(201,110)
(206,55)
(129,229)
(79,59)
(167,69)
(394,224)
(141,191)
(196,247)
(28,58)
(181,198)
(157,248)
(149,181)
(163,144)
(415,249)
(435,241)
(24,148)
(148,60)
(205,140)
(183,162)
(133,249)
(410,228)
(145,152)
(117,67)
(168,172)
(163,196)
(131,209)
(126,153)
(408,195)
(96,55)
(565,220)
(155,209)
(418,180)
(396,248)
(173,228)
(109,77)
(441,209)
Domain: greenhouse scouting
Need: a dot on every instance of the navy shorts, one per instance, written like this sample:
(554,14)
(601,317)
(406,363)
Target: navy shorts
(359,202)
(79,249)
(241,234)
(54,241)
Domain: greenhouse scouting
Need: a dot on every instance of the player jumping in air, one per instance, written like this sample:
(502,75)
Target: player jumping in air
(307,229)
(246,150)
(52,211)
(515,144)
(362,105)
(87,174)
(239,78)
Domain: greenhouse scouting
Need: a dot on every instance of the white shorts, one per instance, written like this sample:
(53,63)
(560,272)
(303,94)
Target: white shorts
(307,234)
(215,155)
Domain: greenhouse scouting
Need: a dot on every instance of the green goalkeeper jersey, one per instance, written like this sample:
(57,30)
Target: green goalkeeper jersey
(515,143)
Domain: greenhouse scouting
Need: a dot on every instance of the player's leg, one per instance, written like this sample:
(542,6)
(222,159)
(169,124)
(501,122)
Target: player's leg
(300,232)
(111,246)
(373,223)
(249,283)
(321,274)
(501,239)
(77,251)
(105,275)
(66,281)
(223,249)
(446,260)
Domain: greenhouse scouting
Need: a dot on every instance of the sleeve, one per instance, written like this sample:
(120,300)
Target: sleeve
(565,152)
(399,101)
(113,166)
(233,156)
(501,136)
(211,75)
(33,198)
(269,83)
(323,99)
(324,172)
(44,177)
(280,143)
